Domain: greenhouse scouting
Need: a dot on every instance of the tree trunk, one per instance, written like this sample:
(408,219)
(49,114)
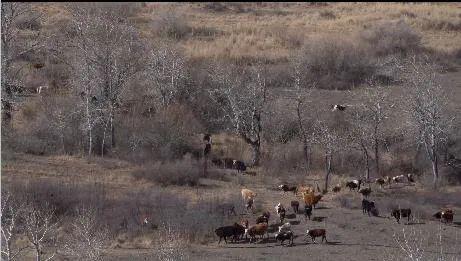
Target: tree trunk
(435,169)
(103,141)
(304,137)
(328,159)
(306,156)
(367,161)
(90,136)
(205,165)
(367,165)
(377,157)
(112,128)
(37,252)
(62,142)
(256,153)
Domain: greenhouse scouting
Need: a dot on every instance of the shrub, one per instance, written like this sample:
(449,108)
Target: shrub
(391,38)
(63,197)
(441,24)
(181,173)
(26,23)
(288,38)
(173,26)
(336,63)
(327,14)
(216,7)
(283,159)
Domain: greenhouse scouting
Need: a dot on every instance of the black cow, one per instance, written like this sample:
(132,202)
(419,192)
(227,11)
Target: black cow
(230,231)
(282,236)
(287,188)
(239,165)
(307,211)
(228,163)
(398,213)
(369,207)
(218,162)
(295,206)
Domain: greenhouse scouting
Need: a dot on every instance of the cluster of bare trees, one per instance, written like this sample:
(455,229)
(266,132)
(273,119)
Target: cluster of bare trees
(39,223)
(368,122)
(109,63)
(36,222)
(430,122)
(14,47)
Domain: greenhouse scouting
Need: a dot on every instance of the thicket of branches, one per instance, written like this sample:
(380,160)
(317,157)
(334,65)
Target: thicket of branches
(107,91)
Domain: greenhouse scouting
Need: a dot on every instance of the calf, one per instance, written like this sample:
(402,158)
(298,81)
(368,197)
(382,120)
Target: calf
(365,192)
(247,194)
(316,200)
(249,204)
(224,232)
(353,184)
(380,181)
(228,163)
(282,236)
(410,177)
(398,213)
(314,233)
(258,229)
(239,166)
(287,188)
(244,224)
(285,227)
(398,179)
(295,206)
(280,211)
(446,215)
(307,211)
(239,230)
(218,162)
(336,188)
(369,207)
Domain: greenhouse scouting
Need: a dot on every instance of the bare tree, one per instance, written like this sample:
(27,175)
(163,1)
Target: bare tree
(170,244)
(242,97)
(331,142)
(59,113)
(13,47)
(87,238)
(360,139)
(40,225)
(302,95)
(10,215)
(108,54)
(166,70)
(368,125)
(417,244)
(427,107)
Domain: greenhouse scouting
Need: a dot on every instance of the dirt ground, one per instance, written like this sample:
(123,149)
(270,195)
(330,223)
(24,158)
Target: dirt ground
(350,234)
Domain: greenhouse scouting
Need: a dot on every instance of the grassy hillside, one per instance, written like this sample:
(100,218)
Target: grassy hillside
(246,31)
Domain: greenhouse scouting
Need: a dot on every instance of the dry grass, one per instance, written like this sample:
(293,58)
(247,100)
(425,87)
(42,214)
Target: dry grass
(247,31)
(249,34)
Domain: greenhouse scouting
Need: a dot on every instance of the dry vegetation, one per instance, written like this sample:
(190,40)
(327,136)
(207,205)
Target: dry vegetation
(105,105)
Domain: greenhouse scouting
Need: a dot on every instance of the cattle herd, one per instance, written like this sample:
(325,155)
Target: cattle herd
(242,230)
